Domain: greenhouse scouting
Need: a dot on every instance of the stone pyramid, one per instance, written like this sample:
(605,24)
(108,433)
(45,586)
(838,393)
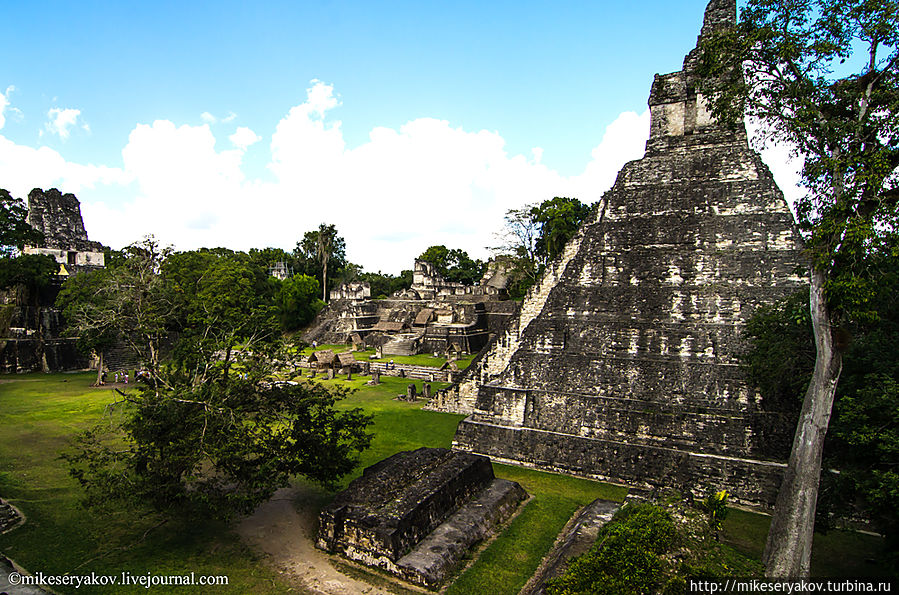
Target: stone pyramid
(623,362)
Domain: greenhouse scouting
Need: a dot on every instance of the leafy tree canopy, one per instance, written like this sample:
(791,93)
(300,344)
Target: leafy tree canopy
(219,448)
(298,301)
(31,270)
(211,431)
(15,231)
(384,285)
(454,264)
(559,219)
(535,234)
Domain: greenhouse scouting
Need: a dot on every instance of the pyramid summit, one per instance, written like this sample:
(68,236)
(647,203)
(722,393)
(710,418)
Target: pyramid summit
(623,363)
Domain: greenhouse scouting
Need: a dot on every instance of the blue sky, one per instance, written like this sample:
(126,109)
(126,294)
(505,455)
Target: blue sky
(403,123)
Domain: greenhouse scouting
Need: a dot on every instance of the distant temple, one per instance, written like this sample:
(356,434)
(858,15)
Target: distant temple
(58,217)
(30,325)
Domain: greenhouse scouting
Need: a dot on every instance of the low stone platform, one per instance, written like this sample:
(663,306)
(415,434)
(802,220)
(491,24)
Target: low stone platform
(415,514)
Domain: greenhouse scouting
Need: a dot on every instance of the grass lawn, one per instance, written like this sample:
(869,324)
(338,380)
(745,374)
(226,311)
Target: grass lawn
(836,554)
(39,414)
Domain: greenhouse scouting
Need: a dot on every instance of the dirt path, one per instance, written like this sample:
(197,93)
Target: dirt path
(286,535)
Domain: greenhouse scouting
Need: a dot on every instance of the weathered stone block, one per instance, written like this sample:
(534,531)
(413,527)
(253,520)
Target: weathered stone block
(399,501)
(393,516)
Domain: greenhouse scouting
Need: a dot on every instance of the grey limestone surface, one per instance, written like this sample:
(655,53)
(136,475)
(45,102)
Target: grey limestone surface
(624,361)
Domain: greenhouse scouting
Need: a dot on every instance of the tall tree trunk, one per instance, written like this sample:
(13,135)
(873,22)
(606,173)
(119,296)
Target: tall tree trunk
(325,280)
(99,368)
(789,546)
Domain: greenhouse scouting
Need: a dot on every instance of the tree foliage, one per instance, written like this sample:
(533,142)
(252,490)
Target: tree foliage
(559,219)
(81,301)
(31,270)
(219,448)
(536,234)
(15,231)
(298,301)
(211,431)
(822,75)
(454,264)
(384,284)
(130,298)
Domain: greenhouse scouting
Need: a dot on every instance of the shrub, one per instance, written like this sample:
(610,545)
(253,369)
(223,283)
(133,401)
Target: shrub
(626,557)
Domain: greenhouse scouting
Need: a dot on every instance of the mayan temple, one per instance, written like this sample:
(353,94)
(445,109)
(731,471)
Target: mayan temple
(623,362)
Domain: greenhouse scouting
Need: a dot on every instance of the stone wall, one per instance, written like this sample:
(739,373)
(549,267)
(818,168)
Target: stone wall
(30,333)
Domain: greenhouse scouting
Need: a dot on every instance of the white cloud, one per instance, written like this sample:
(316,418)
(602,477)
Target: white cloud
(4,103)
(211,119)
(23,168)
(391,197)
(61,121)
(244,137)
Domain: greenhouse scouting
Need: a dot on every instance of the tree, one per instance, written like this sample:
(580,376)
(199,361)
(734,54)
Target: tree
(34,271)
(266,258)
(212,431)
(324,247)
(559,219)
(798,57)
(31,270)
(535,234)
(385,284)
(219,448)
(15,231)
(129,299)
(454,264)
(81,301)
(297,301)
(225,300)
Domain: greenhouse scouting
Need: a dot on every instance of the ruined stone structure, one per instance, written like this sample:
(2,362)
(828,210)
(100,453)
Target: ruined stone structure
(30,325)
(428,284)
(417,513)
(623,362)
(354,290)
(280,271)
(58,217)
(432,316)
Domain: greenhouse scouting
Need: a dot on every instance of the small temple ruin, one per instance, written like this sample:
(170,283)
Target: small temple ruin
(623,363)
